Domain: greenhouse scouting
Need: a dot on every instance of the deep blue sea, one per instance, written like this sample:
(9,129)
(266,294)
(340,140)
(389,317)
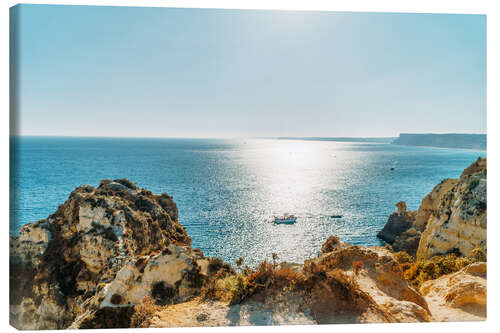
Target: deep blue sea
(227,190)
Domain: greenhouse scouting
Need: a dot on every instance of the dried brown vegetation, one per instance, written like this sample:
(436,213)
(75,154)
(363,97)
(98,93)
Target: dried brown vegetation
(145,312)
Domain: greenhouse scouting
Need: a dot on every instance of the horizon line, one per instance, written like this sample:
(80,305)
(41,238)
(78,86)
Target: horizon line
(234,137)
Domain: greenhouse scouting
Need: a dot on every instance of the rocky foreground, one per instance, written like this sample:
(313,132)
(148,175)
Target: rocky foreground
(117,256)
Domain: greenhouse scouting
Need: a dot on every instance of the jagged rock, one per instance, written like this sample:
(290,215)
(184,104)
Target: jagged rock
(102,250)
(398,223)
(431,203)
(401,207)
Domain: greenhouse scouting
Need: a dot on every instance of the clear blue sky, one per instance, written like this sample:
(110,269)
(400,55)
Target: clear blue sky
(163,72)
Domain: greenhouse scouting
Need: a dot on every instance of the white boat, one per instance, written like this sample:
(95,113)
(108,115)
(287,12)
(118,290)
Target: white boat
(285,219)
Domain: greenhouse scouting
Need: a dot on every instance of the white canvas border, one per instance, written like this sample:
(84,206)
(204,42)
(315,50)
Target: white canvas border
(490,8)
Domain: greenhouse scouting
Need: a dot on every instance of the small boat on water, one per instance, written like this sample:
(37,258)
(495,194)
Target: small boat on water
(285,219)
(336,216)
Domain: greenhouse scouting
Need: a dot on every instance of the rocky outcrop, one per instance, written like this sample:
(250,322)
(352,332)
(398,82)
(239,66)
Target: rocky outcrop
(459,223)
(398,223)
(99,254)
(452,218)
(374,277)
(460,296)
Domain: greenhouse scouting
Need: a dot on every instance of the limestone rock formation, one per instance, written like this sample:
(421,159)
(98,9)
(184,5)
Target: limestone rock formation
(100,253)
(452,218)
(377,280)
(460,296)
(398,223)
(401,208)
(459,223)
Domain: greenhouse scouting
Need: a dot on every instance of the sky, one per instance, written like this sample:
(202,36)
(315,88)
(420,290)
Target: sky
(168,72)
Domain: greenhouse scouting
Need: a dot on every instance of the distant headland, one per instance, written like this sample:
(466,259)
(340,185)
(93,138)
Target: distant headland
(465,141)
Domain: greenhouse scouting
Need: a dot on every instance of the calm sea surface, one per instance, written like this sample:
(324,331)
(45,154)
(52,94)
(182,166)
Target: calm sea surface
(227,190)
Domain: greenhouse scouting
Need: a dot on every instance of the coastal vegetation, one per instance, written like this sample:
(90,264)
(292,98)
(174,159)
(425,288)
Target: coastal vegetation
(420,271)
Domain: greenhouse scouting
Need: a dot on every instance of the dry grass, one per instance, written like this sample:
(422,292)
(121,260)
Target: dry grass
(145,312)
(235,287)
(215,288)
(357,266)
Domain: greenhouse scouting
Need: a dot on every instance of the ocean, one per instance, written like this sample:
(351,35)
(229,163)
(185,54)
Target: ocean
(228,190)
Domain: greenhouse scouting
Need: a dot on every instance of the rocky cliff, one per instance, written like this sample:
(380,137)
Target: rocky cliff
(450,219)
(400,230)
(99,254)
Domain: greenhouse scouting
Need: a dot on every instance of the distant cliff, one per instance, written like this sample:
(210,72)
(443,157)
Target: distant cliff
(466,141)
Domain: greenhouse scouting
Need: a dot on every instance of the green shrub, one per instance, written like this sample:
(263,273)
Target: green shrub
(472,185)
(477,254)
(236,287)
(430,269)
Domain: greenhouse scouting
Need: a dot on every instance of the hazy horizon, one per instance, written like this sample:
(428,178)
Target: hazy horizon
(139,72)
(229,137)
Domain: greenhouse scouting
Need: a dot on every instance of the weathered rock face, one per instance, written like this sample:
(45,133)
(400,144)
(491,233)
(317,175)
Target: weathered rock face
(452,218)
(404,228)
(459,223)
(377,291)
(458,296)
(101,251)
